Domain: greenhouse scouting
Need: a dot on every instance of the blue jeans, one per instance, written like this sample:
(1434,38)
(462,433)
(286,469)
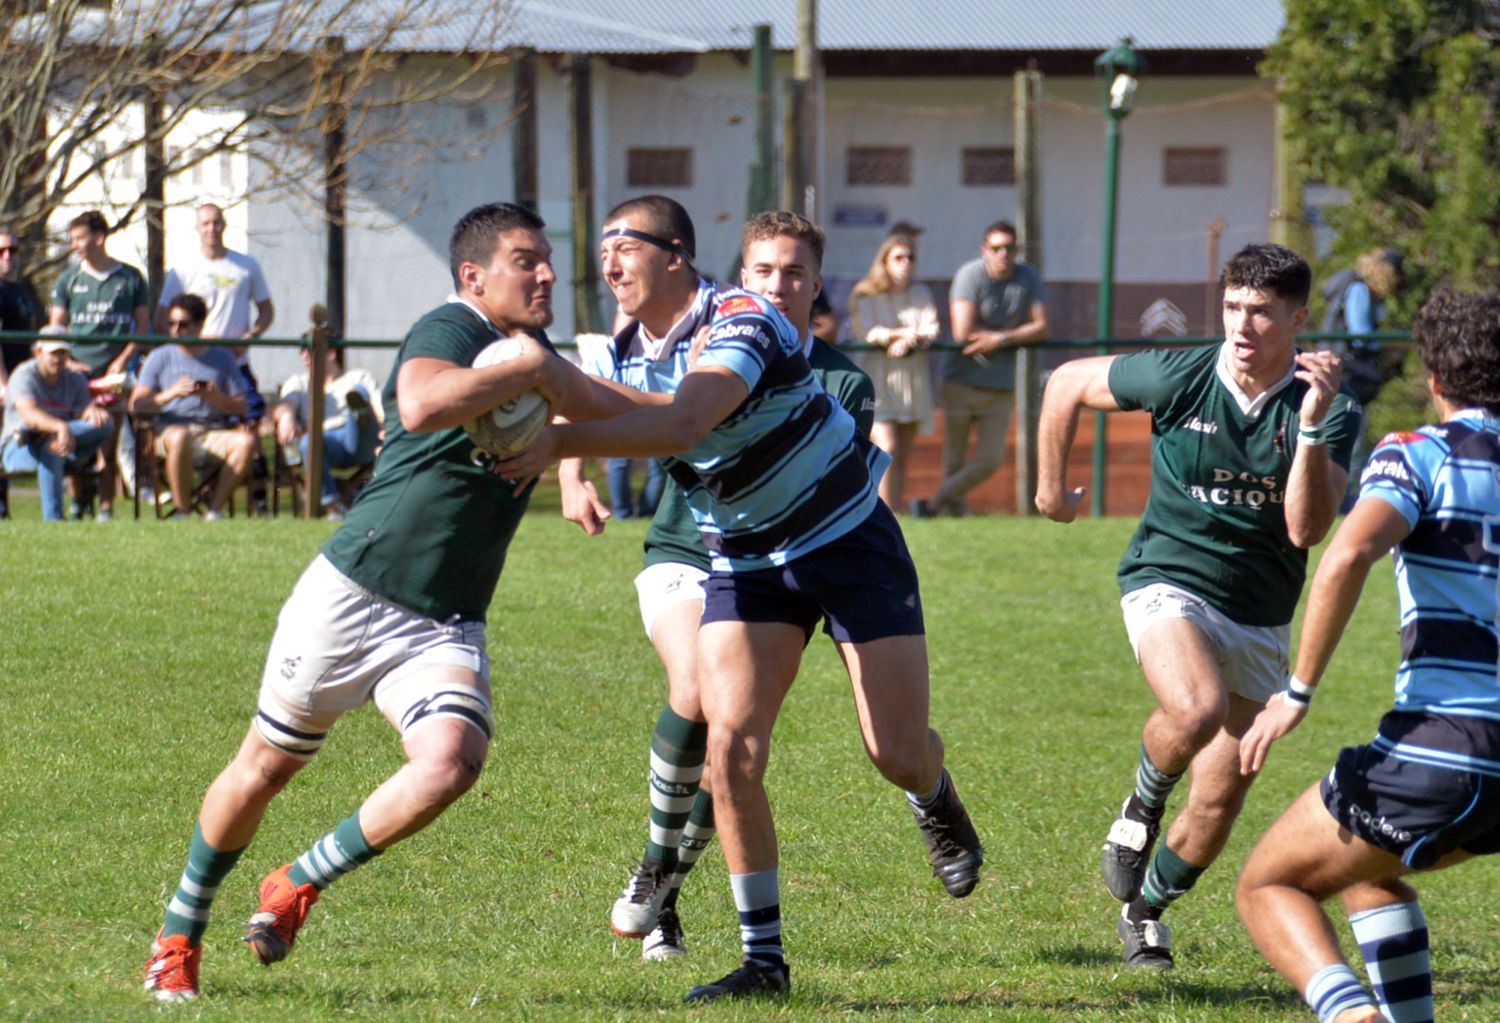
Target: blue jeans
(619,489)
(345,447)
(37,456)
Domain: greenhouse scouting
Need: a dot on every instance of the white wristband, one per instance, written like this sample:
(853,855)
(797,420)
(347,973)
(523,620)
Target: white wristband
(1298,691)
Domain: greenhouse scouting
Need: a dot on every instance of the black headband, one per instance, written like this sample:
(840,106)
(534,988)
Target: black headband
(650,239)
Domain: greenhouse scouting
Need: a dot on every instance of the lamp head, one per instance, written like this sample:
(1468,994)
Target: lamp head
(1120,66)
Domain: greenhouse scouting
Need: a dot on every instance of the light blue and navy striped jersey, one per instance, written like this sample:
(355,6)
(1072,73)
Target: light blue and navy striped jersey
(786,472)
(1445,481)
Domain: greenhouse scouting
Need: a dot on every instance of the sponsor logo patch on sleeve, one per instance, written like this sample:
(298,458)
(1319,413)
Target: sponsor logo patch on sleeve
(737,305)
(1400,439)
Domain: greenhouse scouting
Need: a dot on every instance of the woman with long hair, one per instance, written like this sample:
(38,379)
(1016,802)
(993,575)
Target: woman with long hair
(893,310)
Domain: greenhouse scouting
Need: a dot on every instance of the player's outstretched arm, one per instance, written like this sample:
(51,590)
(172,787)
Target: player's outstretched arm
(1073,387)
(583,397)
(1367,535)
(704,399)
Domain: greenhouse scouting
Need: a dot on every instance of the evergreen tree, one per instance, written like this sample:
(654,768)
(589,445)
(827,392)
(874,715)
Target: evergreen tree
(1398,101)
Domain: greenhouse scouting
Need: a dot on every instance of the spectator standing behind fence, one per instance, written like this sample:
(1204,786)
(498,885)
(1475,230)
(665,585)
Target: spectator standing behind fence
(52,425)
(100,297)
(20,309)
(194,390)
(234,286)
(996,303)
(893,310)
(1356,298)
(353,419)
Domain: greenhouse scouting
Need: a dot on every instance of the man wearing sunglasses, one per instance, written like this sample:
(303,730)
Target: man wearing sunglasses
(194,390)
(20,309)
(995,304)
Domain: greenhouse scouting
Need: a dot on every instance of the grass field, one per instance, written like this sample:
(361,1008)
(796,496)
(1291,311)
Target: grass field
(132,653)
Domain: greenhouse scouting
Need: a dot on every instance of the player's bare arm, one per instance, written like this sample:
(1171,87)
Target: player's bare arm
(435,394)
(1367,536)
(705,398)
(1316,482)
(1073,387)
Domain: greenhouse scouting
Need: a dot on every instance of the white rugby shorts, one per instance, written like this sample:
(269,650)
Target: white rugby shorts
(338,645)
(666,583)
(1252,658)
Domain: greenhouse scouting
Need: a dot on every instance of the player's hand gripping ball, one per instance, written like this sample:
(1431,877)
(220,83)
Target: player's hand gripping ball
(513,424)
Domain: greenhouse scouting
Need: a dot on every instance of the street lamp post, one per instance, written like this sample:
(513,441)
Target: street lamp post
(1119,67)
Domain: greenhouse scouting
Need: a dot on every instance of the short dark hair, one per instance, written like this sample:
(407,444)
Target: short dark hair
(784,224)
(93,220)
(476,236)
(1004,226)
(1458,338)
(191,304)
(1273,268)
(666,218)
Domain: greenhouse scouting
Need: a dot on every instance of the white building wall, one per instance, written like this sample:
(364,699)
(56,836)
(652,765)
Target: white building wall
(1162,231)
(404,200)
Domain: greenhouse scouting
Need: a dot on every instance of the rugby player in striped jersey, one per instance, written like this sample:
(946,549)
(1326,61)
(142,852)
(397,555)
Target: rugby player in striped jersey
(1425,793)
(784,493)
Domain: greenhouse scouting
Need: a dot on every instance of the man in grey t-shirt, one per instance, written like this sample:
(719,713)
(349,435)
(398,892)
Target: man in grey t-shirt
(193,390)
(995,304)
(52,425)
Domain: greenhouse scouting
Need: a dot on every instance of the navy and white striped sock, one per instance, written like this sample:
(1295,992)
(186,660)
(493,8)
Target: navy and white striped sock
(333,855)
(1333,989)
(757,896)
(1393,940)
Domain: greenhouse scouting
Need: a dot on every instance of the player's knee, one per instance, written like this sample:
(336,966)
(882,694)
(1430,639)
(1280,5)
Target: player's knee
(737,760)
(903,764)
(1245,892)
(1199,717)
(266,772)
(442,778)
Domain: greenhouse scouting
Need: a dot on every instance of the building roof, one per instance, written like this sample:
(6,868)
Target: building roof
(662,26)
(689,26)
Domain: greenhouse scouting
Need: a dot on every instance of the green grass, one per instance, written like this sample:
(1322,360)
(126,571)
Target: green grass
(131,657)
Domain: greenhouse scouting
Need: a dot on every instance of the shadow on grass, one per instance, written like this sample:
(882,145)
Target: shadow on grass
(1079,955)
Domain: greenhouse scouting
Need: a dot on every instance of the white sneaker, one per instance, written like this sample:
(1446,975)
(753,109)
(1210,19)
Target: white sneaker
(665,940)
(635,911)
(212,516)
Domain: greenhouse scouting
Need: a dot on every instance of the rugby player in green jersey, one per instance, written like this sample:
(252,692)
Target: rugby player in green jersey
(393,609)
(1249,456)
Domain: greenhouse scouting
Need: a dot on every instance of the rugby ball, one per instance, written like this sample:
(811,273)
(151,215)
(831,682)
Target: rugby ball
(513,424)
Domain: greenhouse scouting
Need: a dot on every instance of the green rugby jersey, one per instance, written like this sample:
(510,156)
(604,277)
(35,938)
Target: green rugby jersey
(1215,523)
(430,531)
(100,308)
(674,537)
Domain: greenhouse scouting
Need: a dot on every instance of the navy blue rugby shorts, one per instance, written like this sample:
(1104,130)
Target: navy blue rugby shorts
(1426,786)
(863,583)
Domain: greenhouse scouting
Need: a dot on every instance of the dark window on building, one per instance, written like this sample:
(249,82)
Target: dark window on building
(989,165)
(879,165)
(659,167)
(1195,165)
